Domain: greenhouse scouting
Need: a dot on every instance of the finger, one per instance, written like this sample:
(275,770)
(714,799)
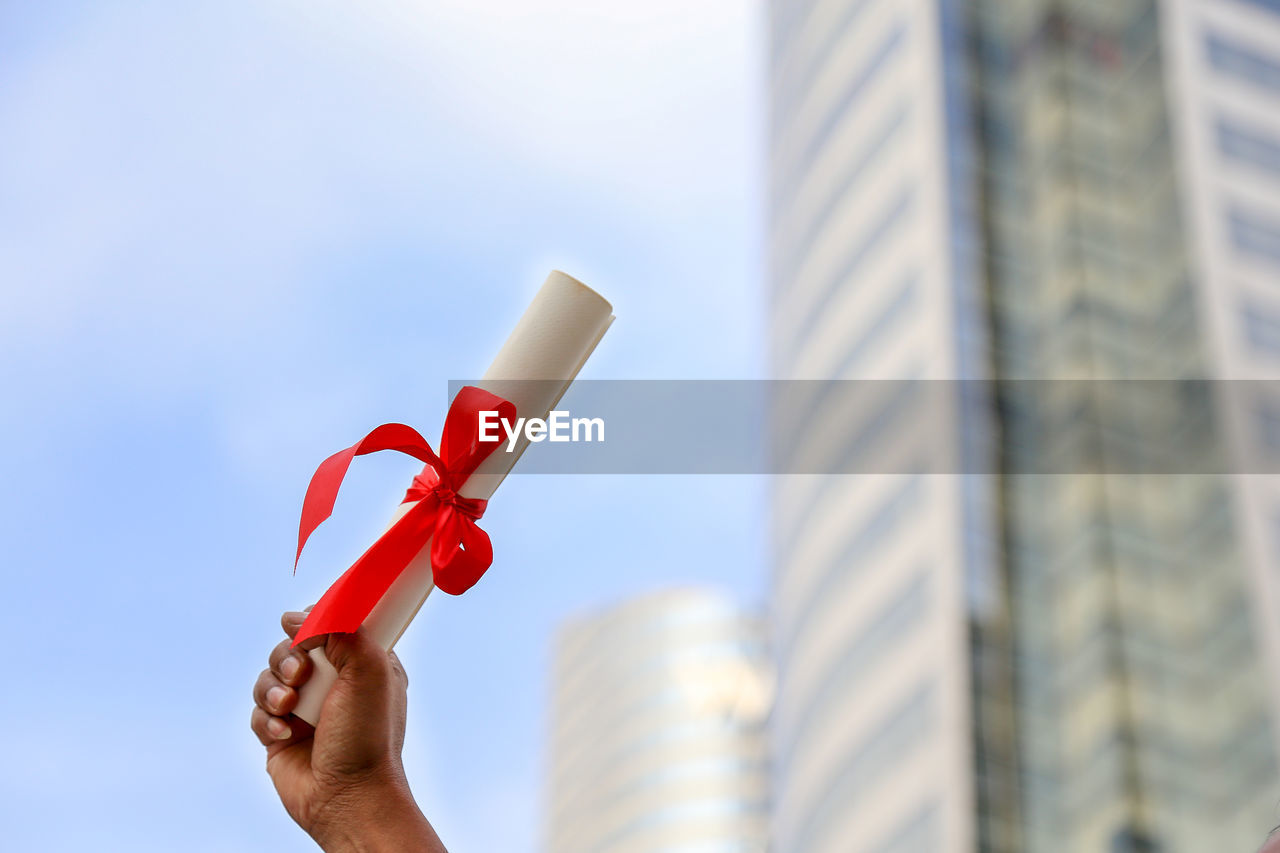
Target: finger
(272,730)
(272,695)
(268,728)
(291,666)
(291,621)
(258,724)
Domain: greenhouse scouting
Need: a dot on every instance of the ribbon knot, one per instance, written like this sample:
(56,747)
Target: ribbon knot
(423,488)
(438,516)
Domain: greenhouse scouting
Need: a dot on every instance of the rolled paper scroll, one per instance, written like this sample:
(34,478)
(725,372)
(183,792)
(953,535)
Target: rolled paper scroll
(554,338)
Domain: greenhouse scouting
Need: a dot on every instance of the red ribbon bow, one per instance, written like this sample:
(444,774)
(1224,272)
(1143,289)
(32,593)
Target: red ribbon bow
(460,550)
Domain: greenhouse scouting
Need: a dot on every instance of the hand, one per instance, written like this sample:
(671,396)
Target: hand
(342,781)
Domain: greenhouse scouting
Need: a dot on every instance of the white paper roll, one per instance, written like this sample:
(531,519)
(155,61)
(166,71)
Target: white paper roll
(552,341)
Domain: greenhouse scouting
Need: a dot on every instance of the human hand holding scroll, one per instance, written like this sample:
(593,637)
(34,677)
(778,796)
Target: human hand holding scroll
(534,368)
(342,782)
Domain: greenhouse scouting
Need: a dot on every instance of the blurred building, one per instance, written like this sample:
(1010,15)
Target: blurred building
(1013,190)
(658,729)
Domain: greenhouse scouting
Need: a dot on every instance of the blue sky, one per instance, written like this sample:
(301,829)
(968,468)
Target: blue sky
(233,237)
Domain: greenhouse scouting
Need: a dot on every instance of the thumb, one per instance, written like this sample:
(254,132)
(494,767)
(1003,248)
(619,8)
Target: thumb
(357,657)
(355,733)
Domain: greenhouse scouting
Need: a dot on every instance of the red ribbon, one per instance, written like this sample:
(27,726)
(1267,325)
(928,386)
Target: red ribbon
(460,550)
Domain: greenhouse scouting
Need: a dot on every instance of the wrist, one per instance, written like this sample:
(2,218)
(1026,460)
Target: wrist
(376,818)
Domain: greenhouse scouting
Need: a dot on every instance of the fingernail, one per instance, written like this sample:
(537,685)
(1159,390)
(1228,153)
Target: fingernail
(289,667)
(275,696)
(278,728)
(294,617)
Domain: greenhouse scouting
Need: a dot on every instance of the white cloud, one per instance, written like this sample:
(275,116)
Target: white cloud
(654,98)
(171,179)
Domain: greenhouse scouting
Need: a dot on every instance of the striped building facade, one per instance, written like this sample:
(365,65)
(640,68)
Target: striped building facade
(1022,190)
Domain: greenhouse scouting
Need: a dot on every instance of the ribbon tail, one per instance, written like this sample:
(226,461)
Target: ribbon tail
(322,491)
(352,597)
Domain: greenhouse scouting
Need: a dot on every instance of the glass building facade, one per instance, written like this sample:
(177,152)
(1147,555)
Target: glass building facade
(1027,190)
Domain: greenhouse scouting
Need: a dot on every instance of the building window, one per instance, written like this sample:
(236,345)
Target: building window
(868,766)
(1248,145)
(1261,329)
(1269,428)
(879,234)
(1257,68)
(795,84)
(871,72)
(897,620)
(1272,6)
(866,162)
(1254,236)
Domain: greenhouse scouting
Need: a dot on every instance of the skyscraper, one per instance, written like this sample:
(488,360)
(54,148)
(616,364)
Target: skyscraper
(1013,190)
(658,729)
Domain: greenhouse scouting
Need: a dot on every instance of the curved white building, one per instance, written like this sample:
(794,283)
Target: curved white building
(658,729)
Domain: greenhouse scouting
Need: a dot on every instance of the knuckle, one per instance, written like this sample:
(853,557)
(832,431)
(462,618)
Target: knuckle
(277,657)
(398,668)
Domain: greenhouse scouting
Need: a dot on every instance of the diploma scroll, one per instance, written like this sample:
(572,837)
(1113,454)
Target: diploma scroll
(552,341)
